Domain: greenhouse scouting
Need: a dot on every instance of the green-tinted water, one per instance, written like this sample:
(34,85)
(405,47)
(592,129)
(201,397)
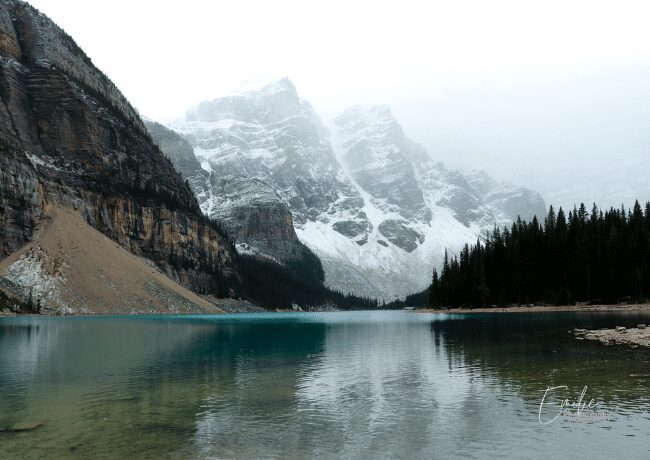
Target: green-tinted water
(351,385)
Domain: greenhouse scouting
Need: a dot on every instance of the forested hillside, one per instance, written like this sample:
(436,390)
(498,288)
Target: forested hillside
(597,257)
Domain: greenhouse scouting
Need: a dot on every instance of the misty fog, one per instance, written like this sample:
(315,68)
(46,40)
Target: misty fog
(552,96)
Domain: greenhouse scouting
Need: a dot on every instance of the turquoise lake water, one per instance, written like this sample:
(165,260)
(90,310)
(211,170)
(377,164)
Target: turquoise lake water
(325,385)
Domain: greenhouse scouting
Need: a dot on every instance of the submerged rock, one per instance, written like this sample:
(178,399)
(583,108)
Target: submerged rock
(27,426)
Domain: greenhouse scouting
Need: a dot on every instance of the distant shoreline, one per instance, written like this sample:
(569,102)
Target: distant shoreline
(242,307)
(641,307)
(629,308)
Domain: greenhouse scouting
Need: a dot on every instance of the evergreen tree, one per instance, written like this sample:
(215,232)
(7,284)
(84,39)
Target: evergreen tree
(589,257)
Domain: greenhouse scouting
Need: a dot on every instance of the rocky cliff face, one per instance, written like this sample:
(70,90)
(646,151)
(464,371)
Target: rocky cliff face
(401,177)
(371,203)
(249,209)
(275,136)
(382,160)
(69,138)
(176,148)
(269,152)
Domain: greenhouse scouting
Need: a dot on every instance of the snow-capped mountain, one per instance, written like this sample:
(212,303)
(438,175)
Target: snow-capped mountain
(272,135)
(249,209)
(371,203)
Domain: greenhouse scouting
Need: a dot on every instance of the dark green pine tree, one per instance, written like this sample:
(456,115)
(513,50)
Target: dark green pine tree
(434,290)
(597,256)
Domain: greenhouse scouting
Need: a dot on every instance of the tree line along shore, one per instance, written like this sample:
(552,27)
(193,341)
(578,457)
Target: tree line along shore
(586,257)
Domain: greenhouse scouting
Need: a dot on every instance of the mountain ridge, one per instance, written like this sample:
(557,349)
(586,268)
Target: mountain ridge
(368,201)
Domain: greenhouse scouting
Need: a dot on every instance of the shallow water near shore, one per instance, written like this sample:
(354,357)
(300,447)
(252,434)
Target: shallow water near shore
(321,385)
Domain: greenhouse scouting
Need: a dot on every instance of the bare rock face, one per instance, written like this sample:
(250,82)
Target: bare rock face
(253,214)
(255,217)
(401,235)
(380,158)
(69,138)
(176,148)
(273,135)
(20,200)
(402,178)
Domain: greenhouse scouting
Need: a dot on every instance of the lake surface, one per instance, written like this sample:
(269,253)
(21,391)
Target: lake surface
(327,385)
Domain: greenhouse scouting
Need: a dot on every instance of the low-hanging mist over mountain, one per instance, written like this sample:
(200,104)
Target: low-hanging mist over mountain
(607,182)
(374,206)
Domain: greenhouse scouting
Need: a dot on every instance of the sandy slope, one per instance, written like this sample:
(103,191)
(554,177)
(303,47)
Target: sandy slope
(72,268)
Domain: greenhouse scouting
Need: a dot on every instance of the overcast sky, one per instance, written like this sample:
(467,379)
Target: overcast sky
(514,87)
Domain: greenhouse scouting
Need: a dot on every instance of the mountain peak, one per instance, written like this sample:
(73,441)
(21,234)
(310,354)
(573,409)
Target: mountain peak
(381,110)
(378,114)
(275,99)
(265,85)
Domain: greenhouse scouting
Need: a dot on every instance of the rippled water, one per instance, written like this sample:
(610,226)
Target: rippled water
(350,385)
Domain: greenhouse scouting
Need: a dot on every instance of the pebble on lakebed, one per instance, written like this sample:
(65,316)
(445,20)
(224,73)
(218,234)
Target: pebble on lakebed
(633,337)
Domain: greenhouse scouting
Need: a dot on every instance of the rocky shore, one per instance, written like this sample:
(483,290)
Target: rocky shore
(632,337)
